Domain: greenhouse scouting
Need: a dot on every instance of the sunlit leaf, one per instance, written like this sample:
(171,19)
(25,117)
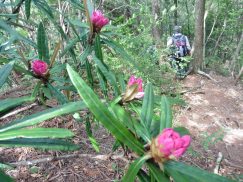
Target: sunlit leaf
(102,113)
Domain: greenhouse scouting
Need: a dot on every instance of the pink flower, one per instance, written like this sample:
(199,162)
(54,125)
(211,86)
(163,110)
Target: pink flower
(40,68)
(169,145)
(133,80)
(98,20)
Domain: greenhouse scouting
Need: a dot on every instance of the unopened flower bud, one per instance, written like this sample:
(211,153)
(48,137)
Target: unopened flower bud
(133,80)
(39,68)
(169,145)
(98,20)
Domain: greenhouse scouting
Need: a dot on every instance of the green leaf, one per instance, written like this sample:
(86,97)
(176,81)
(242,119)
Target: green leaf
(22,70)
(89,10)
(142,176)
(119,50)
(147,107)
(4,177)
(27,8)
(166,114)
(5,166)
(85,54)
(93,141)
(47,10)
(107,74)
(46,92)
(98,50)
(42,44)
(102,113)
(10,103)
(181,130)
(69,46)
(15,35)
(57,94)
(5,72)
(36,89)
(122,83)
(134,168)
(44,115)
(157,173)
(191,174)
(36,133)
(79,23)
(88,68)
(44,7)
(40,143)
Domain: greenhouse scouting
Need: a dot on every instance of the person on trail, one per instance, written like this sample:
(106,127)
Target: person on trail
(179,41)
(180,48)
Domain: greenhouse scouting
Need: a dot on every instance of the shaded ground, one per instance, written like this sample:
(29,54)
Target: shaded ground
(213,114)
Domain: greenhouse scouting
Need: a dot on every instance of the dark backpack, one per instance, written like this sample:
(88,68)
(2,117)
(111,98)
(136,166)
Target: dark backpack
(180,42)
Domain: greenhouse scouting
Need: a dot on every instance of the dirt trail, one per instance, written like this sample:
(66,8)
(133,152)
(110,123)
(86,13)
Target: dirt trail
(214,116)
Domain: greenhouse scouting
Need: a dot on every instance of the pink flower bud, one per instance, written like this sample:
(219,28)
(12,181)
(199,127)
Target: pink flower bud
(169,145)
(40,68)
(98,20)
(133,80)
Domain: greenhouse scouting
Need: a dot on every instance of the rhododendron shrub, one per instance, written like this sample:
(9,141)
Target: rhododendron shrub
(153,143)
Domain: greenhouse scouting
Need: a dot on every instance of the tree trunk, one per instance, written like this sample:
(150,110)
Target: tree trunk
(236,54)
(199,35)
(175,12)
(156,31)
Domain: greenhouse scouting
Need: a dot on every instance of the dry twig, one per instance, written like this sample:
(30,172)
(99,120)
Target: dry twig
(68,156)
(218,161)
(19,110)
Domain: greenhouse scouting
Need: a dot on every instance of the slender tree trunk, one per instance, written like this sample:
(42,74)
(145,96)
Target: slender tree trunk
(156,30)
(236,54)
(175,13)
(188,19)
(199,35)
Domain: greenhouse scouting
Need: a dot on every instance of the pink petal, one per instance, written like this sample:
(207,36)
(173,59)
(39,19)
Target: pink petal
(132,80)
(175,135)
(186,140)
(179,152)
(139,95)
(168,144)
(178,143)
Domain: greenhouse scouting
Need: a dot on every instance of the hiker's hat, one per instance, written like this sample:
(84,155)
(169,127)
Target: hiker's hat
(177,29)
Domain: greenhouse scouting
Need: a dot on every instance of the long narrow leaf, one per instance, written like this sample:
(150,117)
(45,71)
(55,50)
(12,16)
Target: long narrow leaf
(148,107)
(10,103)
(166,114)
(120,51)
(92,140)
(157,173)
(42,44)
(5,72)
(134,168)
(27,8)
(107,74)
(36,133)
(4,177)
(192,174)
(44,115)
(143,177)
(102,114)
(51,144)
(57,94)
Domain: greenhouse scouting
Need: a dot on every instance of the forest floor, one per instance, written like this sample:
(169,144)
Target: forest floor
(213,114)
